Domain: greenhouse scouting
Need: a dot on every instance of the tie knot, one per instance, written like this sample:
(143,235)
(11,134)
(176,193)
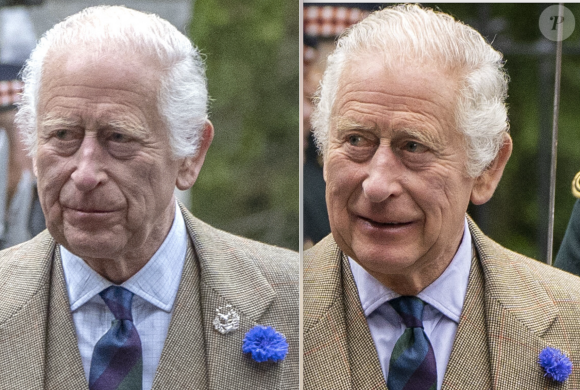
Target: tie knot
(118,300)
(410,309)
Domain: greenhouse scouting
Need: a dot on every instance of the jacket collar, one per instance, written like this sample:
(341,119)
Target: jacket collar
(527,300)
(230,276)
(520,316)
(25,289)
(227,269)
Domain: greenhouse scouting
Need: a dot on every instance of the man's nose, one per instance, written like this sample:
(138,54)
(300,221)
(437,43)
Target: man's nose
(384,175)
(88,173)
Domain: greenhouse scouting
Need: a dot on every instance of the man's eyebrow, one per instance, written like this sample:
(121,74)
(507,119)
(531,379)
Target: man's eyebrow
(124,126)
(342,125)
(121,125)
(422,136)
(51,121)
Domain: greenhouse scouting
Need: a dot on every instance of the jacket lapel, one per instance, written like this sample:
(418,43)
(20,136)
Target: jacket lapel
(339,352)
(64,369)
(469,364)
(224,281)
(521,318)
(326,360)
(24,294)
(183,364)
(364,361)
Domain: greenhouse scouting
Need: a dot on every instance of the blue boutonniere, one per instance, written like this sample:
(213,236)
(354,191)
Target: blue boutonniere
(264,343)
(555,363)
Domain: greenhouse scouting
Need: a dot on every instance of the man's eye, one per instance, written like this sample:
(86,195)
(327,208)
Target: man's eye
(414,147)
(63,135)
(118,137)
(355,140)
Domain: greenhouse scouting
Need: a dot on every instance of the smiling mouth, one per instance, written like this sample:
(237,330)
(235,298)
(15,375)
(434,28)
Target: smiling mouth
(385,224)
(91,211)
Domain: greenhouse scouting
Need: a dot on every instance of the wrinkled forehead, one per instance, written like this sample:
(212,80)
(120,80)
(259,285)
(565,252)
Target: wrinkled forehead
(93,53)
(376,75)
(103,69)
(394,60)
(116,89)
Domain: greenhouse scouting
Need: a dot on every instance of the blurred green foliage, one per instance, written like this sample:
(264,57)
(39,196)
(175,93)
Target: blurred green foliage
(516,215)
(249,184)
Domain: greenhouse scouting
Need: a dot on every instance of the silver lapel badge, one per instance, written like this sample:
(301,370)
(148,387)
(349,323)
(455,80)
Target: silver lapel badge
(226,320)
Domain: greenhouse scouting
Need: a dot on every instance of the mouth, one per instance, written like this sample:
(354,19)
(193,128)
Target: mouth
(386,224)
(90,210)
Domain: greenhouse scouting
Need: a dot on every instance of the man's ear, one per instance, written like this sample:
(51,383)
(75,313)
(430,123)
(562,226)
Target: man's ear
(487,182)
(190,166)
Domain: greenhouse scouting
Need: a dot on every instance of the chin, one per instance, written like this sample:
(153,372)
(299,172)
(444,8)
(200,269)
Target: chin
(385,260)
(93,246)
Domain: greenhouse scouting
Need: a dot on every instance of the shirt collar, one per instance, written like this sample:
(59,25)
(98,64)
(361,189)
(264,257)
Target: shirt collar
(157,282)
(446,293)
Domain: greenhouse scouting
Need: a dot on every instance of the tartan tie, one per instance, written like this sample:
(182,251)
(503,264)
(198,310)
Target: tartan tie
(117,362)
(412,365)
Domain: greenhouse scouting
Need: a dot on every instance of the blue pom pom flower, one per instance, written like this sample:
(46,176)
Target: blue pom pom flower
(556,365)
(264,343)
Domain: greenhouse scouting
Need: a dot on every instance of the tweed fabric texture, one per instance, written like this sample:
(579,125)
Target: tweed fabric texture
(179,367)
(258,280)
(472,350)
(64,368)
(363,359)
(516,308)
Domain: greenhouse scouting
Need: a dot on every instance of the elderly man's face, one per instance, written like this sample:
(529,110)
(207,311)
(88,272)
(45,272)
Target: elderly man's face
(105,170)
(397,190)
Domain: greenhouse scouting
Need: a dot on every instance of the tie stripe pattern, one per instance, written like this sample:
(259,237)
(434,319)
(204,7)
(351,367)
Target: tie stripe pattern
(412,365)
(117,362)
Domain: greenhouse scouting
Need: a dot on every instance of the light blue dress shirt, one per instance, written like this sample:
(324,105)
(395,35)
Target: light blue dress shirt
(444,298)
(155,287)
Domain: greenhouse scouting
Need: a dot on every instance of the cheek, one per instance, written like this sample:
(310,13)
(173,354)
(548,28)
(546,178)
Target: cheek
(444,200)
(148,187)
(343,183)
(341,172)
(52,175)
(439,188)
(338,183)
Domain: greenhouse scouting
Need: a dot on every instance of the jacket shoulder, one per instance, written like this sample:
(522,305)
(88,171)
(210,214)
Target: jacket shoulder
(24,269)
(557,282)
(561,286)
(274,260)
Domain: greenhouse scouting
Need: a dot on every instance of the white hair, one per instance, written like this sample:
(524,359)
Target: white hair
(182,97)
(405,33)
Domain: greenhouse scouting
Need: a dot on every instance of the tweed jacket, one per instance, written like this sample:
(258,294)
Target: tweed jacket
(514,308)
(258,280)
